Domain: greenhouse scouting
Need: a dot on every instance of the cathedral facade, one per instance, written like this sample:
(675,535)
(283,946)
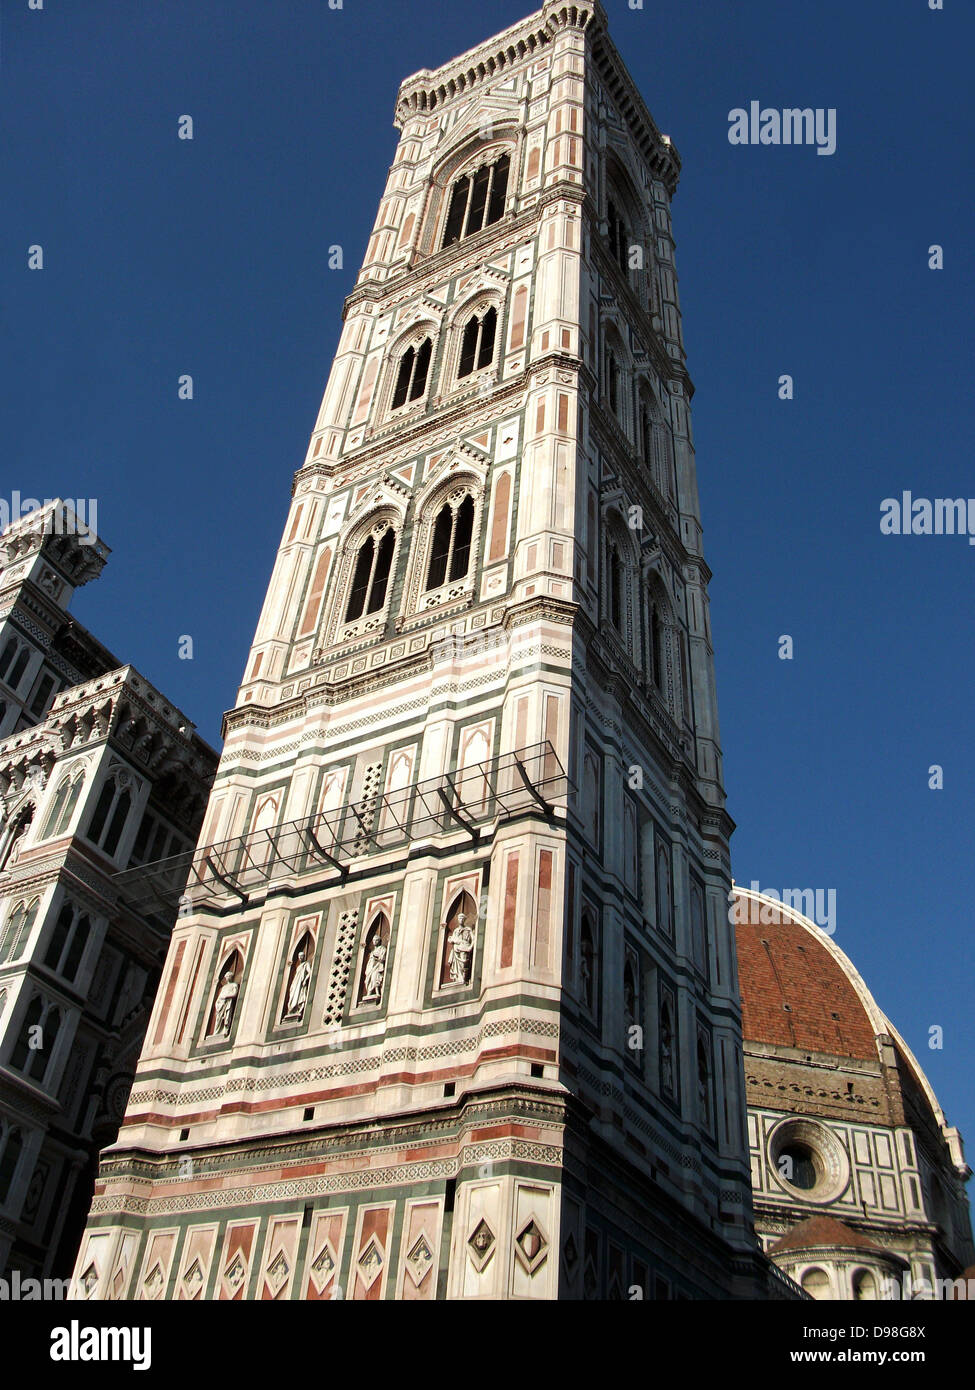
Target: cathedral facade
(450,1008)
(98,771)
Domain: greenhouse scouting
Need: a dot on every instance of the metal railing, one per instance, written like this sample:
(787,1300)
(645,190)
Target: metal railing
(468,800)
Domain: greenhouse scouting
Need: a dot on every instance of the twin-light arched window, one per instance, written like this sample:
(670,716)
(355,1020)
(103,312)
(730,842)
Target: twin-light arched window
(476,201)
(450,553)
(449,558)
(477,345)
(370,578)
(414,368)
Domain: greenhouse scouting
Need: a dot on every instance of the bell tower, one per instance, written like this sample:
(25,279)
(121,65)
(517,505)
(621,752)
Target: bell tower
(450,1009)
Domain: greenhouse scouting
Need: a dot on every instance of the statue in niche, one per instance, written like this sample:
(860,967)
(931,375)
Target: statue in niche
(374,972)
(13,832)
(586,964)
(225,1003)
(703,1085)
(298,988)
(666,1052)
(629,996)
(461,943)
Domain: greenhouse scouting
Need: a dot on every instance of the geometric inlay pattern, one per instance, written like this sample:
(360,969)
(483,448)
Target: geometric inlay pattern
(338,982)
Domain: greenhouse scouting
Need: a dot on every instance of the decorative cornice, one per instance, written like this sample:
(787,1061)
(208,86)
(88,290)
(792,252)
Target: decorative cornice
(427,91)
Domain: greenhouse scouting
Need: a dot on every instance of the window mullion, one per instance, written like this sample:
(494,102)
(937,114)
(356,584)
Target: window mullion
(490,191)
(372,575)
(467,205)
(450,545)
(67,941)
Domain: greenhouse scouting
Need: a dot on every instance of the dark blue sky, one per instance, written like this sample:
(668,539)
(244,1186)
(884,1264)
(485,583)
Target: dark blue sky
(163,257)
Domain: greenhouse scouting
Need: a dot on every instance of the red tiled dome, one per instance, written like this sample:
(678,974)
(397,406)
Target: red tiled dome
(796,990)
(817,1232)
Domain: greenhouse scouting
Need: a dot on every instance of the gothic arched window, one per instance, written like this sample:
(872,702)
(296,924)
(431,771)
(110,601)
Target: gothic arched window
(477,200)
(450,552)
(109,816)
(57,806)
(18,929)
(615,588)
(664,901)
(13,662)
(646,436)
(370,578)
(414,367)
(63,805)
(613,381)
(11,1147)
(7,656)
(656,653)
(68,941)
(23,1054)
(618,237)
(477,346)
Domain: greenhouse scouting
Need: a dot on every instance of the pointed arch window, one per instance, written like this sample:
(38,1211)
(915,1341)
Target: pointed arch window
(7,657)
(109,816)
(450,553)
(63,805)
(477,200)
(18,929)
(618,237)
(699,942)
(11,1147)
(68,940)
(477,346)
(613,381)
(664,897)
(13,662)
(414,368)
(656,636)
(646,436)
(35,1043)
(370,578)
(57,806)
(615,588)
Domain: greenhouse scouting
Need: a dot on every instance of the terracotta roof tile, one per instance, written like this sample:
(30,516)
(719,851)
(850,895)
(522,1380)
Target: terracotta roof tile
(817,1231)
(783,964)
